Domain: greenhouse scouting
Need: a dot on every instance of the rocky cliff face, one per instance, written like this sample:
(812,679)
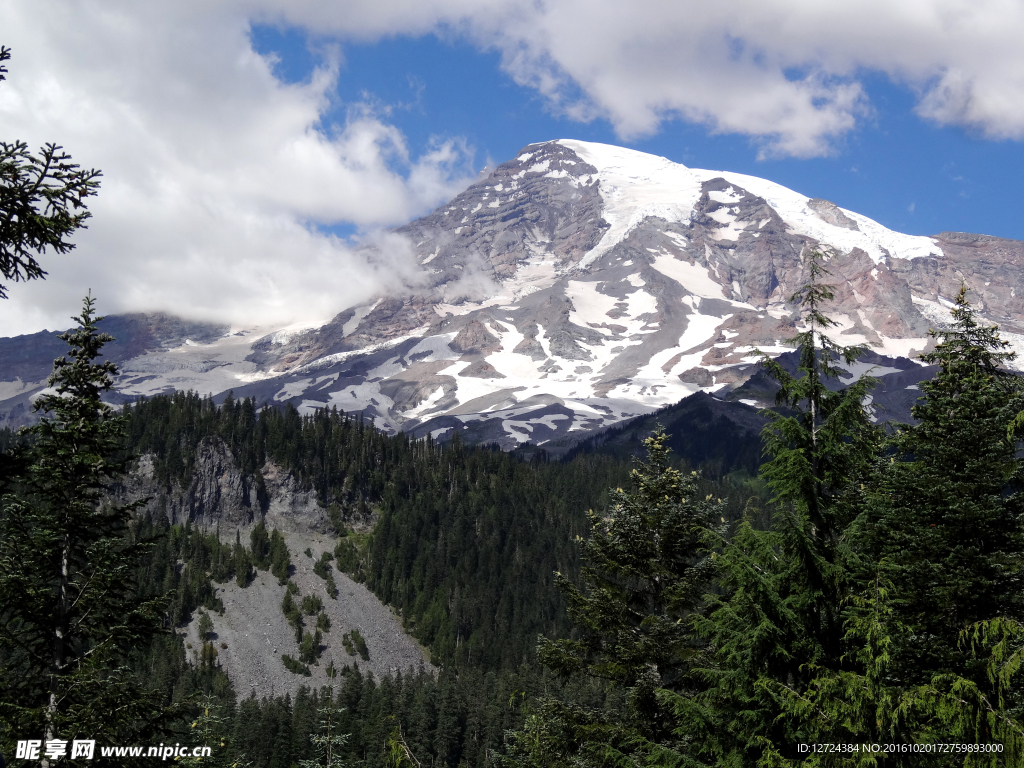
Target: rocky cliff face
(579,285)
(218,497)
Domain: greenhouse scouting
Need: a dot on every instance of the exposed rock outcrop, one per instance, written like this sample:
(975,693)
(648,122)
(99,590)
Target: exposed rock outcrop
(218,497)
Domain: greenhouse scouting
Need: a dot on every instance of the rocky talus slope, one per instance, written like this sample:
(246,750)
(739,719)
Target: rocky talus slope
(257,635)
(219,499)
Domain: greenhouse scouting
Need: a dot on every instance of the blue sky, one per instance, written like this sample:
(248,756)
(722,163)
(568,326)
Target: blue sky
(903,171)
(251,149)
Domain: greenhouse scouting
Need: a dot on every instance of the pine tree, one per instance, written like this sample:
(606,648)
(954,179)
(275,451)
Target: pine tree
(69,617)
(781,615)
(644,577)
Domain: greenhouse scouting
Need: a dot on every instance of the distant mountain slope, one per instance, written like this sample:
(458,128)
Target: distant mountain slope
(144,340)
(577,286)
(723,435)
(716,436)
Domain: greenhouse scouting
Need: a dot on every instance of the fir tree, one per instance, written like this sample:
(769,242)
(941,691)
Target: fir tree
(398,753)
(41,203)
(69,615)
(781,616)
(946,525)
(942,548)
(241,563)
(259,543)
(644,576)
(934,631)
(280,560)
(328,742)
(210,728)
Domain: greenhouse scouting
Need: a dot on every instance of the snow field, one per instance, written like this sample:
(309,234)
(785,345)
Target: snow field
(635,185)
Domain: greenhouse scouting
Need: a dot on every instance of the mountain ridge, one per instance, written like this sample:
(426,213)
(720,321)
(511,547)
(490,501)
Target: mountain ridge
(579,285)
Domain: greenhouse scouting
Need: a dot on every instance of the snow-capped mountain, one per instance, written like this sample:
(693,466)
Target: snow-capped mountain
(576,286)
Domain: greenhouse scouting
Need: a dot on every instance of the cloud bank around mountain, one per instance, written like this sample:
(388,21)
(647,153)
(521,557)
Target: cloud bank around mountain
(220,178)
(220,184)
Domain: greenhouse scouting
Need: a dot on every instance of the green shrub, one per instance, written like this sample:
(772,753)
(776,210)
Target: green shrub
(291,610)
(321,569)
(205,626)
(354,643)
(311,605)
(351,554)
(309,648)
(296,667)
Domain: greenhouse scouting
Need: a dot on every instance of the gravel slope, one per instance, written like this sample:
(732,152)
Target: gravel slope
(257,634)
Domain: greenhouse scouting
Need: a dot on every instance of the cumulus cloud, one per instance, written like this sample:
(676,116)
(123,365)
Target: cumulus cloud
(215,170)
(784,72)
(219,179)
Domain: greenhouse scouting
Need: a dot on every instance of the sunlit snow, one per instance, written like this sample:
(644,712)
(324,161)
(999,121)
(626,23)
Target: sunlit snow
(635,186)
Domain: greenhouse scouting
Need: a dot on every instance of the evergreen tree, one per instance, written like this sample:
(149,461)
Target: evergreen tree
(210,728)
(941,541)
(934,631)
(946,525)
(70,617)
(644,576)
(280,559)
(205,626)
(259,543)
(281,746)
(241,563)
(781,615)
(328,742)
(41,203)
(398,753)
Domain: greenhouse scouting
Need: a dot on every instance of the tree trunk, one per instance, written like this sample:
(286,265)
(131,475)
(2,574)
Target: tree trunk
(58,640)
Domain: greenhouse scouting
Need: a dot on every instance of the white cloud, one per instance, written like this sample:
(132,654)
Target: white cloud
(784,72)
(214,168)
(217,175)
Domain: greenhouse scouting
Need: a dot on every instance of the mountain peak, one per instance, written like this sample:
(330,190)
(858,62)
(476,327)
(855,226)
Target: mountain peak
(580,284)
